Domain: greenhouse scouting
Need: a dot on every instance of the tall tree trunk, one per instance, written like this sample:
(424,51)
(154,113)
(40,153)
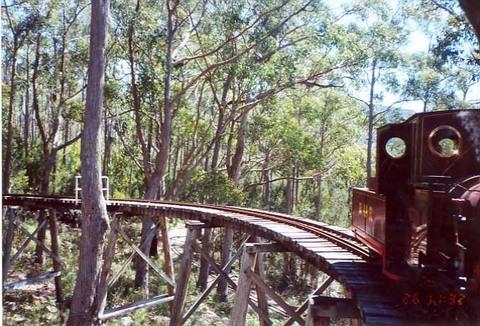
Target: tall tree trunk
(296,187)
(86,300)
(156,182)
(7,164)
(107,145)
(27,106)
(371,122)
(288,195)
(234,168)
(45,172)
(266,179)
(318,197)
(233,173)
(221,122)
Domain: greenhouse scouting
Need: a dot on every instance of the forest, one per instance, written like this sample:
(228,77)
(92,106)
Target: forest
(263,104)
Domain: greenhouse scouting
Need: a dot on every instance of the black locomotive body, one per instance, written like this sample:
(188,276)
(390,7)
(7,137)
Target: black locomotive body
(421,213)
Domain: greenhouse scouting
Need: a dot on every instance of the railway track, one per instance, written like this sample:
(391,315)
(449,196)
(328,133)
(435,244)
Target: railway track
(334,250)
(336,235)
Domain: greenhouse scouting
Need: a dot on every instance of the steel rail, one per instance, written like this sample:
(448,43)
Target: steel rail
(325,231)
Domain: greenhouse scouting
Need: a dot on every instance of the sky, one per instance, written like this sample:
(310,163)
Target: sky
(418,42)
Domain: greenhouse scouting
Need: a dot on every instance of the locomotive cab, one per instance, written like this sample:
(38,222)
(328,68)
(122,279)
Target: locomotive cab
(416,213)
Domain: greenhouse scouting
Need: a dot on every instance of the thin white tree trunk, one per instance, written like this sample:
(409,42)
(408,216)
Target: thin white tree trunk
(86,302)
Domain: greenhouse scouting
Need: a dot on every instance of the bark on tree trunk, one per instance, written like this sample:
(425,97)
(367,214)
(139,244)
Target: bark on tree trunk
(7,164)
(226,255)
(46,170)
(318,198)
(156,182)
(204,266)
(220,122)
(27,108)
(107,145)
(266,179)
(288,196)
(371,121)
(234,168)
(86,301)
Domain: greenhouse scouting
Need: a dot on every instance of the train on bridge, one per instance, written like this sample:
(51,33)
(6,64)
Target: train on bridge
(421,213)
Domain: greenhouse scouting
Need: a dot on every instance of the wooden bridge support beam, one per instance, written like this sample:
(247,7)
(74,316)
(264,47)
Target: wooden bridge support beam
(184,274)
(167,256)
(261,295)
(57,267)
(239,311)
(321,309)
(251,273)
(264,318)
(8,242)
(300,310)
(53,252)
(221,275)
(226,255)
(107,264)
(107,280)
(204,265)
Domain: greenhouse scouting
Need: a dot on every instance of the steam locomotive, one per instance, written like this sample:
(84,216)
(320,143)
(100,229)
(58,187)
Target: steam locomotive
(421,213)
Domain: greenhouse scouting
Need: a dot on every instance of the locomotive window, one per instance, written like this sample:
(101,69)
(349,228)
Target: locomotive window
(445,141)
(395,147)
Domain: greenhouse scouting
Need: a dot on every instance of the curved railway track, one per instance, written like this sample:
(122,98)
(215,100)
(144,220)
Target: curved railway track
(334,250)
(337,235)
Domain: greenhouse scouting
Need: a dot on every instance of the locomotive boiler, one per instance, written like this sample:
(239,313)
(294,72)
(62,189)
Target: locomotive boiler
(421,213)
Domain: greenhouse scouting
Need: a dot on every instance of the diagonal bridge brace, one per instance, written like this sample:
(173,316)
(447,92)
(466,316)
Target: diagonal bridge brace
(107,284)
(147,259)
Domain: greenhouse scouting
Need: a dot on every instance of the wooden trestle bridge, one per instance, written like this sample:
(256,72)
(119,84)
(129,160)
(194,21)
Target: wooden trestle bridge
(332,249)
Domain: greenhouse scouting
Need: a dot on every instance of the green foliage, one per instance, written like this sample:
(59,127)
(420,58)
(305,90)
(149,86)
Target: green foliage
(214,188)
(68,166)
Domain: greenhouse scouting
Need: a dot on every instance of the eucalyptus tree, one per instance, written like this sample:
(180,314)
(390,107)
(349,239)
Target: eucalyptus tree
(442,77)
(55,85)
(383,36)
(425,83)
(20,24)
(91,283)
(193,56)
(52,74)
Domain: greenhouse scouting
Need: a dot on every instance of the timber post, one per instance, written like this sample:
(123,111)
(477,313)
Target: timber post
(184,274)
(8,243)
(107,264)
(261,295)
(167,255)
(57,267)
(222,273)
(204,265)
(242,295)
(300,310)
(226,254)
(321,309)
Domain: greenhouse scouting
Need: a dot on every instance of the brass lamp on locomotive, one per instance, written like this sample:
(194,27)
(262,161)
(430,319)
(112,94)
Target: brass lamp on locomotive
(421,213)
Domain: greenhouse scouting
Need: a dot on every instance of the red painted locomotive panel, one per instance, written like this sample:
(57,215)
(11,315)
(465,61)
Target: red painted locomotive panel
(369,218)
